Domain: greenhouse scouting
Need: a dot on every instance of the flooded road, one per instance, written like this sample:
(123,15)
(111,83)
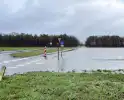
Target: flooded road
(78,60)
(94,58)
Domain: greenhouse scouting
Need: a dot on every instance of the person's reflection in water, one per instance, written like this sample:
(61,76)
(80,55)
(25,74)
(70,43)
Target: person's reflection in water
(61,65)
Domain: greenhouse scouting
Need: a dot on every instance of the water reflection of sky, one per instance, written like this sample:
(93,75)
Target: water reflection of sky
(93,59)
(81,59)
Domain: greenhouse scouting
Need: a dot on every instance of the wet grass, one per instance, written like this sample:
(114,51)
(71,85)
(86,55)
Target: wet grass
(17,48)
(63,86)
(36,52)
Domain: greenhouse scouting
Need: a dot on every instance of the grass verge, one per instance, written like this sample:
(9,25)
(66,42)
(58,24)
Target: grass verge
(62,86)
(17,48)
(35,53)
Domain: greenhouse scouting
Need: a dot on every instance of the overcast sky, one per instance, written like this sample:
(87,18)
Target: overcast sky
(81,18)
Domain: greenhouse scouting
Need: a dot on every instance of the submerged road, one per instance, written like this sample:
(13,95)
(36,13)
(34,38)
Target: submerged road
(36,63)
(78,60)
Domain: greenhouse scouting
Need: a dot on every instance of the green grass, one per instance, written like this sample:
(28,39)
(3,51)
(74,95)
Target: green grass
(62,86)
(35,53)
(0,73)
(17,48)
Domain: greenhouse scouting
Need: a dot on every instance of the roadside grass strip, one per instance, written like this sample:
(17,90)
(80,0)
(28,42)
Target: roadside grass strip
(36,53)
(62,86)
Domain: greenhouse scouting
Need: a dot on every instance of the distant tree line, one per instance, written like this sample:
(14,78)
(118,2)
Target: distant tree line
(29,40)
(104,41)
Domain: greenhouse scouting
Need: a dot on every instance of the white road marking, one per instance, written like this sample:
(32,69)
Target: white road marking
(6,61)
(12,67)
(15,60)
(19,59)
(19,65)
(39,63)
(24,58)
(30,63)
(4,53)
(37,60)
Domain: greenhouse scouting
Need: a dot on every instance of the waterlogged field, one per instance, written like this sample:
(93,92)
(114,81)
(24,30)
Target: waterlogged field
(95,58)
(63,86)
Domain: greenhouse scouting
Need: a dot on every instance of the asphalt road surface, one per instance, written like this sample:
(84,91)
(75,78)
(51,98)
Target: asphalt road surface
(36,63)
(77,60)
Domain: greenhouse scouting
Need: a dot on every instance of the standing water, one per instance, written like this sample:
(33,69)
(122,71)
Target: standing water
(93,59)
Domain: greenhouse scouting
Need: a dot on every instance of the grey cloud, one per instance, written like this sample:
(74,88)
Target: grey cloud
(78,17)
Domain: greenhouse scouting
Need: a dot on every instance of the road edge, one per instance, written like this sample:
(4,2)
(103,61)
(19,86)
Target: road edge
(49,53)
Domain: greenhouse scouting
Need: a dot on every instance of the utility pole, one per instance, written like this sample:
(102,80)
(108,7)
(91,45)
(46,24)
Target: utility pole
(58,50)
(61,50)
(62,45)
